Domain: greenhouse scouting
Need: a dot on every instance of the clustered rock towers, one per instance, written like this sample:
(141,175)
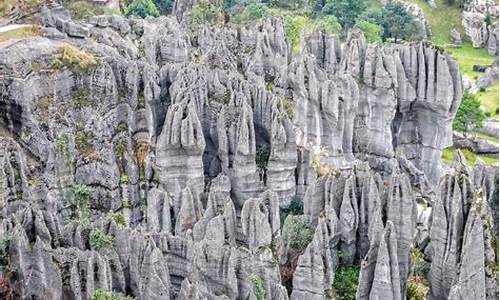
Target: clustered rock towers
(166,129)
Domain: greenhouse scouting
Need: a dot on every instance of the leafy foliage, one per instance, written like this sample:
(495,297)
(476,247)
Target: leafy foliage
(396,21)
(372,31)
(101,294)
(297,232)
(416,288)
(4,249)
(164,6)
(469,116)
(295,27)
(295,208)
(142,8)
(419,267)
(119,218)
(258,287)
(99,240)
(330,24)
(346,11)
(253,11)
(81,201)
(345,283)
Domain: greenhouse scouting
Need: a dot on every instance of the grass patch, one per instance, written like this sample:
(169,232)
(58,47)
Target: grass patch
(486,137)
(442,20)
(467,57)
(77,60)
(82,10)
(19,33)
(489,100)
(449,154)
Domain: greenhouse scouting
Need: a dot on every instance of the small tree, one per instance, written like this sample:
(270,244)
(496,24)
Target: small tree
(142,8)
(330,24)
(397,22)
(346,11)
(469,116)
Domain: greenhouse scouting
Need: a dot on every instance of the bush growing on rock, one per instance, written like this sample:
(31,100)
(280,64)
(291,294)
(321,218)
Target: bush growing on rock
(101,294)
(345,283)
(142,8)
(258,287)
(205,12)
(297,232)
(81,201)
(346,11)
(99,240)
(373,32)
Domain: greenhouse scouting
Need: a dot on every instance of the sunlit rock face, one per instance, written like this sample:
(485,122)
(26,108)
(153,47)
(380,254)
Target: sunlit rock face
(160,163)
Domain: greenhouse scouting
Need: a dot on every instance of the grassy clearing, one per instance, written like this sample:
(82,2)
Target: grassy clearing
(489,100)
(449,154)
(487,137)
(467,57)
(441,20)
(18,33)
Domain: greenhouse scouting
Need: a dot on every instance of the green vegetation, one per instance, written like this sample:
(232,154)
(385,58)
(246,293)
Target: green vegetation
(83,144)
(416,290)
(81,98)
(164,6)
(330,24)
(397,22)
(372,31)
(419,266)
(142,8)
(262,157)
(77,60)
(449,154)
(489,100)
(80,10)
(345,283)
(346,11)
(297,232)
(119,218)
(81,201)
(467,56)
(486,137)
(253,11)
(99,240)
(19,33)
(4,249)
(101,294)
(295,208)
(469,116)
(258,287)
(286,104)
(295,27)
(123,179)
(204,12)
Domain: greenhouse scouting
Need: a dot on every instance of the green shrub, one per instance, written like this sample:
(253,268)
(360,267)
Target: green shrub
(262,157)
(164,6)
(286,104)
(419,266)
(119,218)
(142,8)
(345,283)
(295,208)
(258,287)
(81,201)
(101,294)
(99,240)
(373,32)
(416,288)
(257,10)
(330,24)
(295,27)
(297,232)
(76,60)
(123,179)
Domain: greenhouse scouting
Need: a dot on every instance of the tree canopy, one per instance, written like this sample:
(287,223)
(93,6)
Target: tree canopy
(469,116)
